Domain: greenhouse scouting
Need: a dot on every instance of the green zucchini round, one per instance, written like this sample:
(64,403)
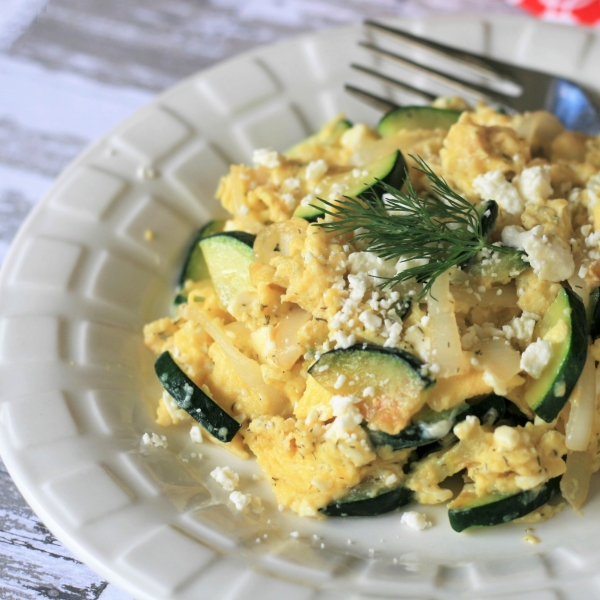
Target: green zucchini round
(368,500)
(193,400)
(467,510)
(390,169)
(416,117)
(548,394)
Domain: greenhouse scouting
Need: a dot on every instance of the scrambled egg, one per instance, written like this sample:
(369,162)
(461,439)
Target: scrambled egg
(312,291)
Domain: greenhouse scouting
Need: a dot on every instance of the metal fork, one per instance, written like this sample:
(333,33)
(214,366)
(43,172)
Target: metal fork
(506,86)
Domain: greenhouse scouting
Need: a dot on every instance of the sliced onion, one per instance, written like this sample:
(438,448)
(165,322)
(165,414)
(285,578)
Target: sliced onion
(490,298)
(446,349)
(237,188)
(499,358)
(583,404)
(248,369)
(580,287)
(575,482)
(287,348)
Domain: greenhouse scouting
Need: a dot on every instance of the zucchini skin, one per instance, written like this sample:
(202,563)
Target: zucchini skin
(594,314)
(415,363)
(228,257)
(416,117)
(369,507)
(194,265)
(193,400)
(242,236)
(489,215)
(395,176)
(488,410)
(505,509)
(550,404)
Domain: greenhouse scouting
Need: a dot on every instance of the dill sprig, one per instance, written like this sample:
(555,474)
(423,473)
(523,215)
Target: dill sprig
(442,229)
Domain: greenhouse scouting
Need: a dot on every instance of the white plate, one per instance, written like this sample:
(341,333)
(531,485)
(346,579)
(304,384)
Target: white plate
(78,389)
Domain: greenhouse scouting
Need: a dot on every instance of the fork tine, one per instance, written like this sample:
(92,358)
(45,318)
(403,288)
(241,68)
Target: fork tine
(373,100)
(473,63)
(461,86)
(425,96)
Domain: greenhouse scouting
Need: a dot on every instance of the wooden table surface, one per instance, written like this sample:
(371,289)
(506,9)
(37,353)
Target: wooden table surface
(69,71)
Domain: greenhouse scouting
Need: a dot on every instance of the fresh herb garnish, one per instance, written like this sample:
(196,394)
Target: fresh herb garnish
(442,228)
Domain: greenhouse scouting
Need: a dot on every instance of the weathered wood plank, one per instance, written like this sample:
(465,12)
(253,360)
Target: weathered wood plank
(152,44)
(33,564)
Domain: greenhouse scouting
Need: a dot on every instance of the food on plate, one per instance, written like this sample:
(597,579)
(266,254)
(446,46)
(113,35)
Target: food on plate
(389,307)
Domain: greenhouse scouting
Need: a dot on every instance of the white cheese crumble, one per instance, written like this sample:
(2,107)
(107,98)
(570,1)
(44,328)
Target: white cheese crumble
(316,169)
(266,157)
(153,439)
(226,478)
(291,183)
(347,417)
(339,382)
(536,357)
(494,186)
(240,501)
(307,200)
(550,261)
(521,328)
(288,200)
(415,520)
(370,320)
(196,434)
(534,184)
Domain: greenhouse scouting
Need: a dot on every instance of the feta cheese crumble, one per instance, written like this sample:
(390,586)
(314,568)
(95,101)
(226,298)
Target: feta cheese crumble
(316,169)
(153,439)
(534,184)
(536,357)
(550,261)
(196,434)
(240,501)
(415,520)
(226,478)
(266,157)
(494,186)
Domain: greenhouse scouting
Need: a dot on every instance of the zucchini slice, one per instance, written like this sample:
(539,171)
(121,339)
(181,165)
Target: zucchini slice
(369,498)
(429,426)
(593,313)
(488,210)
(548,394)
(194,265)
(328,135)
(402,307)
(398,381)
(501,269)
(228,257)
(416,117)
(193,400)
(390,169)
(467,510)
